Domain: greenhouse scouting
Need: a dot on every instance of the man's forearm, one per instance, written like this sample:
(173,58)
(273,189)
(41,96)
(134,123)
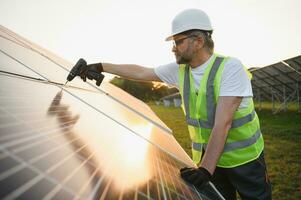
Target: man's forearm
(214,148)
(223,120)
(131,71)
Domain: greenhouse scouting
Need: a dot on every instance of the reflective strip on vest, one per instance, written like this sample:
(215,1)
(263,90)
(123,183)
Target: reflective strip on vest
(239,144)
(235,122)
(210,97)
(241,121)
(210,101)
(197,146)
(233,145)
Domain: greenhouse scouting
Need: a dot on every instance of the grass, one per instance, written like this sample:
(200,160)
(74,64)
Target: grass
(282,134)
(291,107)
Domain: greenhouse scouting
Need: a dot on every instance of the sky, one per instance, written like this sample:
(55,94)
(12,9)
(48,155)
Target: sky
(258,32)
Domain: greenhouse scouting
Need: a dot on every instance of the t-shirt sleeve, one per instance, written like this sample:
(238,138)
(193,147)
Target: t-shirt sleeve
(235,81)
(168,73)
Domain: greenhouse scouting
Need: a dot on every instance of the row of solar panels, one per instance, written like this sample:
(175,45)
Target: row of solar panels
(80,141)
(281,78)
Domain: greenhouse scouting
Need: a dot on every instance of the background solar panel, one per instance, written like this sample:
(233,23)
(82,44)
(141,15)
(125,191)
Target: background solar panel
(278,82)
(80,143)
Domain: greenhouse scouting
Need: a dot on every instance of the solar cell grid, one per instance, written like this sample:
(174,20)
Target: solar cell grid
(54,156)
(295,63)
(285,73)
(283,69)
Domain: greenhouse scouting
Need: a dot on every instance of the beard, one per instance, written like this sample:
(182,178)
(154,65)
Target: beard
(183,59)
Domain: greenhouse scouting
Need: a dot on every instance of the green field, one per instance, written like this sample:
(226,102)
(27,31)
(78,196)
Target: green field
(282,134)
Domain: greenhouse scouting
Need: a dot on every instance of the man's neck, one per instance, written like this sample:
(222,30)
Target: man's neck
(199,60)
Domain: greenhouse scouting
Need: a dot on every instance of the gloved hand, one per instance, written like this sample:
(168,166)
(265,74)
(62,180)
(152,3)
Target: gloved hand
(92,71)
(196,176)
(88,70)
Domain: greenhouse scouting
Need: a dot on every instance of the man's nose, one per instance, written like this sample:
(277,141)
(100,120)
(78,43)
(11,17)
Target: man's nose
(174,48)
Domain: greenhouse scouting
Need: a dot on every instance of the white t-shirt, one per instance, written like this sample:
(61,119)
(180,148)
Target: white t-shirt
(234,81)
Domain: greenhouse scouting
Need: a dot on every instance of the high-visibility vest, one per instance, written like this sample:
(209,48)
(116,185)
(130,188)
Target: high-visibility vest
(244,142)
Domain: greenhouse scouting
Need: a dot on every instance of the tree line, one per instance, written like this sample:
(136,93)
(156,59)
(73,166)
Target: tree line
(145,91)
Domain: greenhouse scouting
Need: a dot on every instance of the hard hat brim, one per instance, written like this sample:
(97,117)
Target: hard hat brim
(175,34)
(169,38)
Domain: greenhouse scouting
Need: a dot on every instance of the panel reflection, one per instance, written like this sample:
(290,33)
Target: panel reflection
(63,148)
(128,169)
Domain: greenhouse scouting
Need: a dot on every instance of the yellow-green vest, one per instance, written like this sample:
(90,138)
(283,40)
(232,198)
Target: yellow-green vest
(244,142)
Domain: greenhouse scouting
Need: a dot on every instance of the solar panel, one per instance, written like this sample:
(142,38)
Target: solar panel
(79,142)
(294,63)
(278,81)
(47,66)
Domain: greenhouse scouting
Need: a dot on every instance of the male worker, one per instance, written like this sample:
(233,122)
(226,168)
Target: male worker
(216,91)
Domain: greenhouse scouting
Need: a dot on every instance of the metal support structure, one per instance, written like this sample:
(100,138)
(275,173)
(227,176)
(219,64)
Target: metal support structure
(292,97)
(280,101)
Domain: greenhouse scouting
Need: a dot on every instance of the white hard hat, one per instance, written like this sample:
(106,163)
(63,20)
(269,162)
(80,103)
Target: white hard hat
(190,19)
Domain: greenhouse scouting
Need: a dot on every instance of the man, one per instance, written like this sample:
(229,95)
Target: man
(227,144)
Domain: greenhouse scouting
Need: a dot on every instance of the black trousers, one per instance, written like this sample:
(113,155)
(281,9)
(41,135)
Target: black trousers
(249,180)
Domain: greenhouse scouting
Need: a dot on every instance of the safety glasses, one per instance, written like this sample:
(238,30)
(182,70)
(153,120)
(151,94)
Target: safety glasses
(178,42)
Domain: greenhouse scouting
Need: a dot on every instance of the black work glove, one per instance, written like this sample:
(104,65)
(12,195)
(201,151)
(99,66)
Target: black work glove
(199,177)
(88,70)
(91,71)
